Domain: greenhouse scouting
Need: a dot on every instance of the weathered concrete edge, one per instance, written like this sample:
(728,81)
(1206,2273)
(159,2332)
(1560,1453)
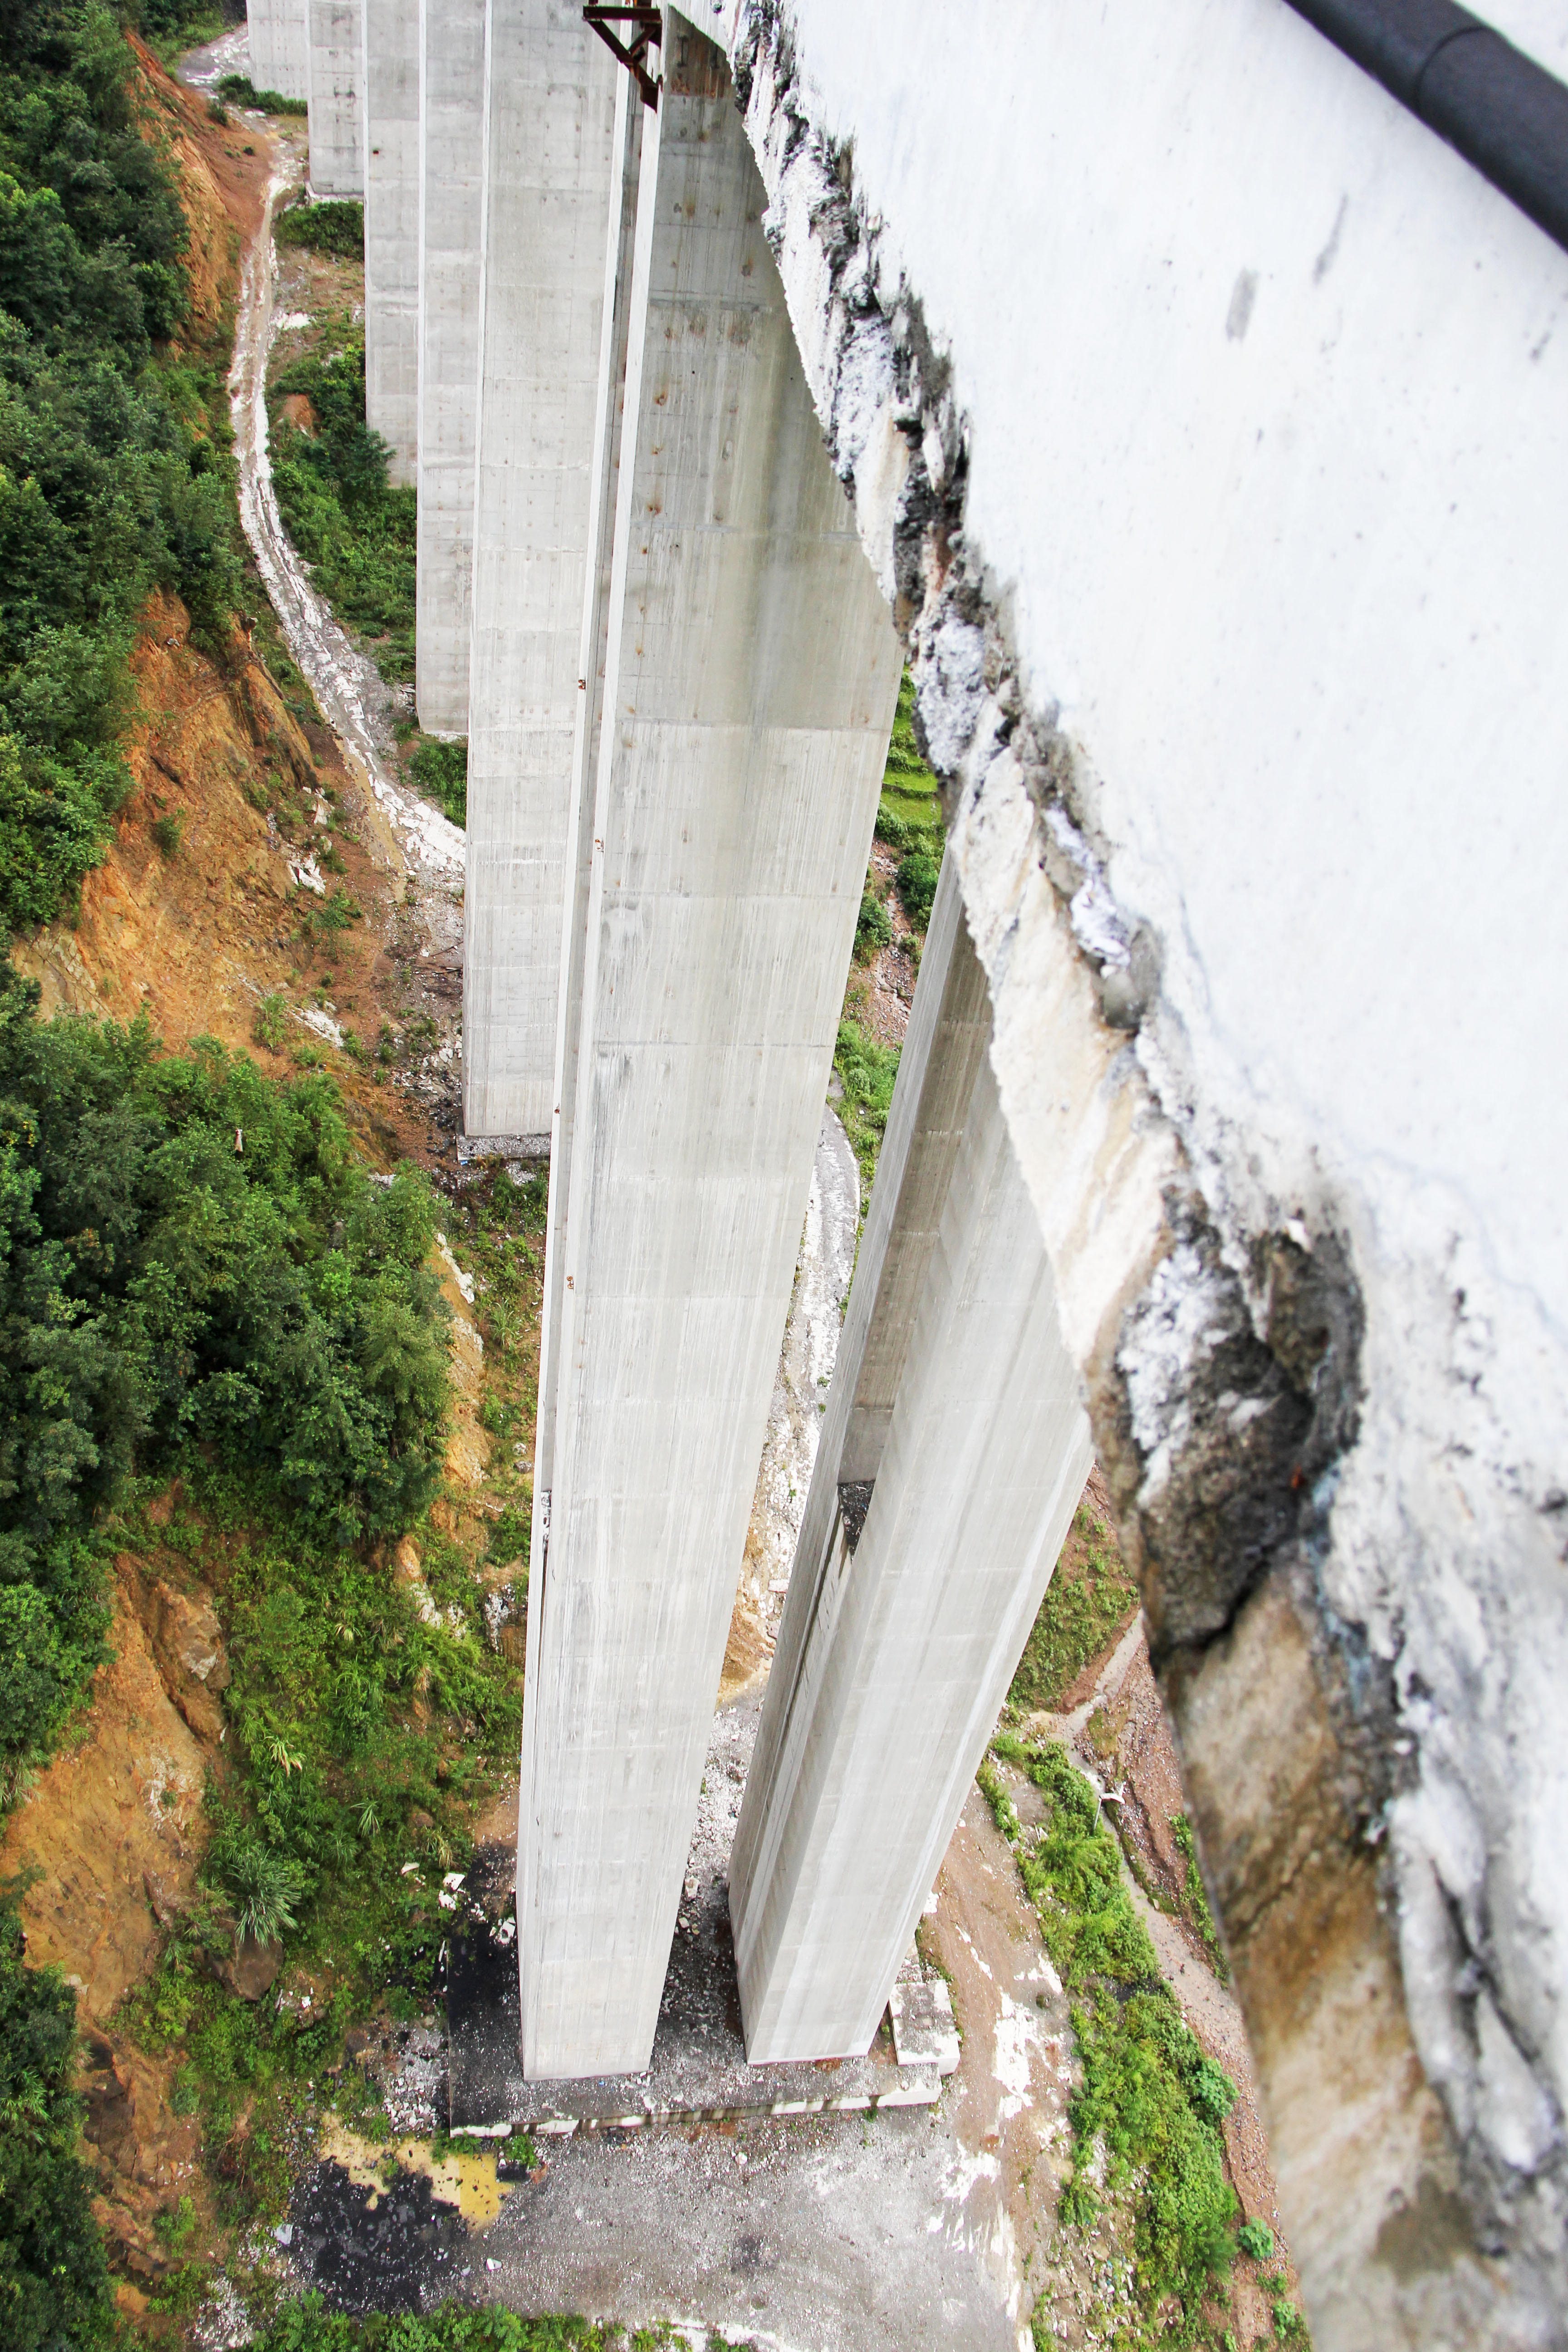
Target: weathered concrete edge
(1221,1346)
(922,2089)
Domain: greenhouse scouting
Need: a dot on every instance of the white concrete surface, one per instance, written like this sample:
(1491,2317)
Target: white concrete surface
(391,37)
(609,422)
(1259,389)
(451,182)
(551,97)
(279,38)
(336,97)
(956,1404)
(748,690)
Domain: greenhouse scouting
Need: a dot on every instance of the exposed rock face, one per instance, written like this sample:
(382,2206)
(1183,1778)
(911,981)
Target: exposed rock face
(252,1969)
(141,2150)
(188,1646)
(115,1816)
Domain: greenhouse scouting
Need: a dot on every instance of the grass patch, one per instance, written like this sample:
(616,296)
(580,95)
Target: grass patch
(309,2326)
(1197,1899)
(867,1071)
(909,818)
(440,772)
(353,529)
(1083,1607)
(334,226)
(1149,2100)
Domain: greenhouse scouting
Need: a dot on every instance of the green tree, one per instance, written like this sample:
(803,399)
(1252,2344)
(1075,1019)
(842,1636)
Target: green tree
(54,2286)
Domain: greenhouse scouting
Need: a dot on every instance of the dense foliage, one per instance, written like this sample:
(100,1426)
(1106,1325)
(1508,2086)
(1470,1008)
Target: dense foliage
(108,487)
(353,528)
(53,2290)
(335,226)
(162,1287)
(1148,2094)
(240,90)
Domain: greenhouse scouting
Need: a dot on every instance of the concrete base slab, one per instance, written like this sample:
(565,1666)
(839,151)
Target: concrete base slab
(503,1147)
(925,2033)
(698,2073)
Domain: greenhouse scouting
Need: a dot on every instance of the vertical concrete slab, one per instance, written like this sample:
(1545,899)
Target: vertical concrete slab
(336,97)
(280,47)
(551,158)
(391,37)
(954,1449)
(451,182)
(749,680)
(609,440)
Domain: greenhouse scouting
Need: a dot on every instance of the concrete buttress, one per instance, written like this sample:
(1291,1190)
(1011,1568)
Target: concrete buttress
(392,228)
(336,97)
(751,673)
(954,1450)
(551,150)
(451,182)
(280,47)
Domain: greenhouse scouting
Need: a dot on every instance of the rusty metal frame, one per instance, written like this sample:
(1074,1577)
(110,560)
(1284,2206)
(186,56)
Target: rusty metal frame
(647,31)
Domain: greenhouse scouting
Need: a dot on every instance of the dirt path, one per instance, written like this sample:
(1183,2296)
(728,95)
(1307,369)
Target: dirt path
(348,688)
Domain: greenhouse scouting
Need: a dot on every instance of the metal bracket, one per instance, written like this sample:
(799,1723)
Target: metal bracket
(647,30)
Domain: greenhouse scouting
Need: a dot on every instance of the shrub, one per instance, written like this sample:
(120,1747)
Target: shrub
(333,226)
(873,927)
(510,1536)
(262,1884)
(243,91)
(1256,2238)
(270,1027)
(166,832)
(916,879)
(891,827)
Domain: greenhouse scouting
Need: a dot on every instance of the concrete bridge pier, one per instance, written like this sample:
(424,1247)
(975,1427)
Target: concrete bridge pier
(751,672)
(954,1450)
(451,186)
(391,36)
(335,97)
(280,47)
(552,173)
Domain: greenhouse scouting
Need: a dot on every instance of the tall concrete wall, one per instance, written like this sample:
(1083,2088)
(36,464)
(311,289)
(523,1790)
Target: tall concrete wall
(336,97)
(390,32)
(954,1450)
(551,160)
(280,34)
(1204,413)
(749,688)
(451,183)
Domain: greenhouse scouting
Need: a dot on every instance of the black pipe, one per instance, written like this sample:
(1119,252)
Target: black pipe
(1504,113)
